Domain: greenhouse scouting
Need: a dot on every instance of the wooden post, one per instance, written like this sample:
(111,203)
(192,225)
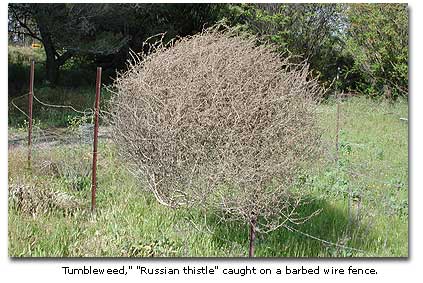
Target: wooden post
(30,100)
(97,110)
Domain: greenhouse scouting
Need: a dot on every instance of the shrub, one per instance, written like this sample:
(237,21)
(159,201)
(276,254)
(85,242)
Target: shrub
(378,42)
(18,55)
(215,120)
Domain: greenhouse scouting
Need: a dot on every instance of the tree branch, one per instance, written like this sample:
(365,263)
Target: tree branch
(22,24)
(65,56)
(22,33)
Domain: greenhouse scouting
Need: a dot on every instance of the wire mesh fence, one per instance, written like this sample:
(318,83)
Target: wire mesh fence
(68,152)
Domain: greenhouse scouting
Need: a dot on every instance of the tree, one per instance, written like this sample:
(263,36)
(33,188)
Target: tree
(311,32)
(377,39)
(66,30)
(103,32)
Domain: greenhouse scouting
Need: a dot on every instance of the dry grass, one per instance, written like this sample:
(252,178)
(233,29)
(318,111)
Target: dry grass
(36,199)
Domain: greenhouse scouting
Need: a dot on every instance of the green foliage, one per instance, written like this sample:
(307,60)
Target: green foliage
(368,42)
(76,72)
(19,55)
(311,32)
(156,248)
(377,39)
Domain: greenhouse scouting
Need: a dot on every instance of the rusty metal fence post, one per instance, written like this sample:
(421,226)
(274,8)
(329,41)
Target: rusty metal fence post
(30,100)
(96,113)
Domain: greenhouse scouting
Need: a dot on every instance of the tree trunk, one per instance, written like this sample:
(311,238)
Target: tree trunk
(388,92)
(52,70)
(52,66)
(253,223)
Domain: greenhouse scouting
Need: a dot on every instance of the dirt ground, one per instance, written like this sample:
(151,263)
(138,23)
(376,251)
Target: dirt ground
(49,137)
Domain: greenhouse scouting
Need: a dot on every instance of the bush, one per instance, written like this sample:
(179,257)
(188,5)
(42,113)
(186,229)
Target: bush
(378,42)
(19,55)
(215,120)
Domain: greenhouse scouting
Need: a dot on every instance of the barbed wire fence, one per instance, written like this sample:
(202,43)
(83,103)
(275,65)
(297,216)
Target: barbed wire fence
(45,144)
(81,135)
(43,135)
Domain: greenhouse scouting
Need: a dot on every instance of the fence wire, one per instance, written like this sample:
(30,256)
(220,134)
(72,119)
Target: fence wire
(80,132)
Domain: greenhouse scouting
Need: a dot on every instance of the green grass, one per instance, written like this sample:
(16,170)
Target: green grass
(372,170)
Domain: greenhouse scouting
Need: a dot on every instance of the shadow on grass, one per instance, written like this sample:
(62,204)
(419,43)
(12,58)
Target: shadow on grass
(338,236)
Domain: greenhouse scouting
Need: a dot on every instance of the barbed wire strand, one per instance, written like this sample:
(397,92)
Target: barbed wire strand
(289,228)
(85,112)
(292,229)
(90,110)
(14,105)
(45,135)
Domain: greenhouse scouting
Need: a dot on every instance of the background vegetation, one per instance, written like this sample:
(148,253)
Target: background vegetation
(366,43)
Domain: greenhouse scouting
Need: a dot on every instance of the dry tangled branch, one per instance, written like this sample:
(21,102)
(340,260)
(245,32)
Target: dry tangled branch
(215,119)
